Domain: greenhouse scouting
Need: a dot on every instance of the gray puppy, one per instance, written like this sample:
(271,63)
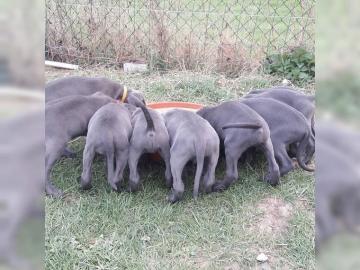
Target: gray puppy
(149,136)
(287,126)
(21,183)
(303,103)
(191,137)
(84,86)
(65,120)
(337,185)
(109,134)
(239,128)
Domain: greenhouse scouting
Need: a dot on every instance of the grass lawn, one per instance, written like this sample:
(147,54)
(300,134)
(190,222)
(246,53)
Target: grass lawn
(101,229)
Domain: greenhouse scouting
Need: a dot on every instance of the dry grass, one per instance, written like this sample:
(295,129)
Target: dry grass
(188,34)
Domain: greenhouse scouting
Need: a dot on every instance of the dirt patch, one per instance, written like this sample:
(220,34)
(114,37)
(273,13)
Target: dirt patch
(199,260)
(234,266)
(201,264)
(275,214)
(71,198)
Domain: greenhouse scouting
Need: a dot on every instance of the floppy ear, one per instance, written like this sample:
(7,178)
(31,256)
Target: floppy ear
(138,95)
(133,100)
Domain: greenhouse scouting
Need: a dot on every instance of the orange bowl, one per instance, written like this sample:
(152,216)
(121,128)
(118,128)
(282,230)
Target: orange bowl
(165,106)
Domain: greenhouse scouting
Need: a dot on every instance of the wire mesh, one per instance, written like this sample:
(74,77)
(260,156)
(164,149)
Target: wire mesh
(213,34)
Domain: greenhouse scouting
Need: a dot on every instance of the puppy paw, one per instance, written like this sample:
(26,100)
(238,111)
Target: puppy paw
(286,168)
(57,194)
(208,190)
(174,197)
(54,192)
(114,186)
(171,198)
(273,180)
(133,189)
(168,183)
(85,185)
(285,171)
(218,187)
(119,186)
(69,154)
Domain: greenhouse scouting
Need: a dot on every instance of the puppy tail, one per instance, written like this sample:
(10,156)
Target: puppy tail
(149,121)
(133,100)
(242,125)
(200,155)
(300,154)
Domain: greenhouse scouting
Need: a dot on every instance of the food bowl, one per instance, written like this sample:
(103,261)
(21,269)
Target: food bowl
(163,107)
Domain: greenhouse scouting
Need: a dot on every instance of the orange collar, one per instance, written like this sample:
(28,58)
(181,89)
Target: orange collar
(124,96)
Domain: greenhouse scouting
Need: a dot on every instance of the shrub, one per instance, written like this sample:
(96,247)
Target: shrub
(298,65)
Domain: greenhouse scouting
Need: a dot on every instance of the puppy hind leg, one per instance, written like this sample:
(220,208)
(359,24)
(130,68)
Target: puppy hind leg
(53,153)
(88,158)
(273,173)
(177,163)
(231,174)
(285,163)
(209,177)
(204,174)
(134,178)
(110,162)
(233,151)
(165,154)
(121,162)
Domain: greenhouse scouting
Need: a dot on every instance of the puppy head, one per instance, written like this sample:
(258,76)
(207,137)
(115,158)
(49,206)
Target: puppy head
(203,111)
(135,98)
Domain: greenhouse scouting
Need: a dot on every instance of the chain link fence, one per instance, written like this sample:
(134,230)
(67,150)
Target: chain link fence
(217,35)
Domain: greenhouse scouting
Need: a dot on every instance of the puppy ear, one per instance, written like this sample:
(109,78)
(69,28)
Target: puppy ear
(133,100)
(139,95)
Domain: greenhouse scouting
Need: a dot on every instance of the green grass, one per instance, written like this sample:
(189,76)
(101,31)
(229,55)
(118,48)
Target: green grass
(101,229)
